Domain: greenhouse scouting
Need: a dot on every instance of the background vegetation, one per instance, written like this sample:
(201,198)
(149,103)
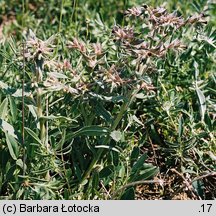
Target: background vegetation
(98,104)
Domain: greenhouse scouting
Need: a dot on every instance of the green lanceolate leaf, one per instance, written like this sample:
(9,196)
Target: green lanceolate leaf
(199,187)
(33,111)
(52,117)
(88,131)
(102,112)
(33,135)
(61,142)
(3,85)
(181,126)
(106,171)
(108,147)
(138,165)
(147,173)
(202,101)
(129,194)
(190,143)
(134,155)
(13,108)
(19,163)
(3,108)
(12,146)
(7,128)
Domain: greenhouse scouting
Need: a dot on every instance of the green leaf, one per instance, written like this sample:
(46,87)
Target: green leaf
(196,66)
(3,85)
(99,21)
(12,146)
(60,144)
(202,101)
(19,163)
(13,108)
(147,79)
(20,193)
(180,126)
(3,108)
(190,143)
(78,171)
(33,135)
(115,157)
(102,112)
(10,173)
(114,99)
(147,173)
(7,128)
(129,194)
(199,187)
(121,173)
(33,111)
(116,135)
(52,117)
(137,120)
(57,75)
(108,147)
(106,171)
(139,164)
(18,93)
(88,131)
(95,181)
(140,96)
(155,135)
(134,155)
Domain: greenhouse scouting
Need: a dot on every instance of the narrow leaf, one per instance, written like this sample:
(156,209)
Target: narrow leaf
(57,75)
(102,112)
(202,101)
(138,165)
(108,147)
(3,108)
(13,108)
(33,135)
(52,117)
(12,146)
(147,173)
(88,131)
(6,127)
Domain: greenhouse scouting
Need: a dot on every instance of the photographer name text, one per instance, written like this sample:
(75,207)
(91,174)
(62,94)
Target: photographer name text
(24,208)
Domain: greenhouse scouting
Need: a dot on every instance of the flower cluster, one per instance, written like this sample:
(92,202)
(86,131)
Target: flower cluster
(159,38)
(140,49)
(123,34)
(78,45)
(92,55)
(135,11)
(38,49)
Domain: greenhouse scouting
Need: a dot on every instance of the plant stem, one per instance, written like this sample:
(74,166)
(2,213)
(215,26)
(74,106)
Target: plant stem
(23,99)
(40,114)
(39,106)
(121,113)
(47,123)
(23,112)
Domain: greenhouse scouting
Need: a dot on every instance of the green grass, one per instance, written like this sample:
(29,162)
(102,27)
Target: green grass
(85,113)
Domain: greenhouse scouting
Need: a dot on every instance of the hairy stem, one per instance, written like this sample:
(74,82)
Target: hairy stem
(39,106)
